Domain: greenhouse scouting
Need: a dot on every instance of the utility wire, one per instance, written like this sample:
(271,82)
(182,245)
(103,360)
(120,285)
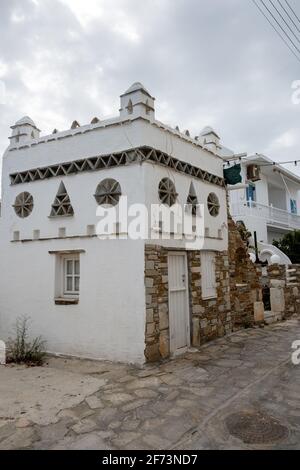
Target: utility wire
(284,31)
(275,8)
(292,10)
(231,159)
(289,16)
(276,30)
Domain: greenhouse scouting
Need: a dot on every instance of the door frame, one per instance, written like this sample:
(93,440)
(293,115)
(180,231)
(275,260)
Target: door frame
(173,351)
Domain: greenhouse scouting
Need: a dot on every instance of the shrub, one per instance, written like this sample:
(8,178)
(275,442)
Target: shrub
(21,350)
(290,245)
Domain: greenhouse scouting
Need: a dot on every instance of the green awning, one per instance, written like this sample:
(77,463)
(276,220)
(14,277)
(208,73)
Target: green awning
(232,175)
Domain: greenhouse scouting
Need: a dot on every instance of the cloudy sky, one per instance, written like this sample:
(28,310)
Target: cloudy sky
(207,62)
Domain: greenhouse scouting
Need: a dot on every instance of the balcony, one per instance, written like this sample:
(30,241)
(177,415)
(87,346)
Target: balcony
(271,215)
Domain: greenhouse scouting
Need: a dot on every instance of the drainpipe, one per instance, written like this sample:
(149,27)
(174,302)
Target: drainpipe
(256,249)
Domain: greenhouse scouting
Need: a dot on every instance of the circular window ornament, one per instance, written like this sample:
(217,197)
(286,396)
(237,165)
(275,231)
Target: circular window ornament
(108,192)
(213,204)
(23,205)
(167,192)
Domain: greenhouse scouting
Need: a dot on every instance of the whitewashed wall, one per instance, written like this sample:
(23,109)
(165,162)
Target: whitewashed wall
(109,321)
(154,174)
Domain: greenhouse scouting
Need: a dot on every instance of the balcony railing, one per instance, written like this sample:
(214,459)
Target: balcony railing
(270,214)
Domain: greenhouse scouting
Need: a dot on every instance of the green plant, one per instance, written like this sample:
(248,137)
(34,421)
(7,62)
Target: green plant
(21,350)
(290,245)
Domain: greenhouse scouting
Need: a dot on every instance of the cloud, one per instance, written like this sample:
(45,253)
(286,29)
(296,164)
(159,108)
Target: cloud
(208,62)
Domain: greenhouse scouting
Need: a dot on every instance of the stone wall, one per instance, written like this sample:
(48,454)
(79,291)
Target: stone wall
(157,311)
(210,318)
(245,288)
(284,283)
(239,295)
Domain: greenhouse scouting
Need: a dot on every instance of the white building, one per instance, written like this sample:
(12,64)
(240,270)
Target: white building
(270,204)
(267,200)
(86,295)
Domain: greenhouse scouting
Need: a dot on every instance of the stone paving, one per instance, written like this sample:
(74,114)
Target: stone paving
(180,404)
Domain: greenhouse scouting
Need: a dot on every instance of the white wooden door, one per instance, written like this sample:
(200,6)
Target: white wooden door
(178,303)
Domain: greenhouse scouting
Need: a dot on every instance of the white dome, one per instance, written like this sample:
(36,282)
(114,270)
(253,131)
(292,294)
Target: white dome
(25,120)
(208,130)
(135,87)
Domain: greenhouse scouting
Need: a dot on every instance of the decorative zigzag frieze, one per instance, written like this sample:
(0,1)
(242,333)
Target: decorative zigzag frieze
(137,155)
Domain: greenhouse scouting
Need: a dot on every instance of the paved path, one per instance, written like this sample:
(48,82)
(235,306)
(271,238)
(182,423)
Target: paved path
(239,392)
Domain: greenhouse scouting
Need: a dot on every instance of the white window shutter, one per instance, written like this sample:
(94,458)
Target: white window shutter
(208,274)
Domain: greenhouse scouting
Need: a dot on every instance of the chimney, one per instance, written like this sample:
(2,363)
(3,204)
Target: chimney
(23,131)
(137,101)
(210,139)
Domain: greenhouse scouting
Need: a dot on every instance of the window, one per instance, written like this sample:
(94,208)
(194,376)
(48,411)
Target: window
(213,204)
(192,200)
(251,193)
(71,276)
(108,192)
(61,206)
(67,276)
(23,204)
(130,107)
(208,275)
(167,192)
(293,204)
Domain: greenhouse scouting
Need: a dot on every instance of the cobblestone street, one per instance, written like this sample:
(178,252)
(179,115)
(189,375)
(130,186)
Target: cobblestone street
(239,392)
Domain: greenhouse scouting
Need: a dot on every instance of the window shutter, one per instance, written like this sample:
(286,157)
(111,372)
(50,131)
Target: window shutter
(208,274)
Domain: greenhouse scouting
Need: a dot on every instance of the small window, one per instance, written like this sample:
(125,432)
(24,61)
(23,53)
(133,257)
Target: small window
(192,200)
(167,192)
(251,193)
(67,278)
(130,107)
(71,276)
(213,204)
(108,192)
(61,206)
(293,204)
(23,205)
(208,275)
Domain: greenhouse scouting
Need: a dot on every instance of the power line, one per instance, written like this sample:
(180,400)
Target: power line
(232,159)
(284,31)
(292,10)
(280,163)
(276,30)
(284,21)
(289,16)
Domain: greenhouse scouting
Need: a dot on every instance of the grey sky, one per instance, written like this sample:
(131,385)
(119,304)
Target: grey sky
(207,62)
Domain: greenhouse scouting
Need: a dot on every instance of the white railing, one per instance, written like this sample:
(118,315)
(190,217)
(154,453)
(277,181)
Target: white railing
(270,214)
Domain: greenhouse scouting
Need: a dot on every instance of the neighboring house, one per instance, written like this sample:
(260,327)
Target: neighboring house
(267,200)
(119,299)
(270,202)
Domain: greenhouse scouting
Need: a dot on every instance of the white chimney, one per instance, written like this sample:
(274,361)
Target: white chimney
(137,101)
(24,130)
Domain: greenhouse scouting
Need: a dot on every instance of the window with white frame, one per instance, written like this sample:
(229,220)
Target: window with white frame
(67,276)
(71,275)
(208,274)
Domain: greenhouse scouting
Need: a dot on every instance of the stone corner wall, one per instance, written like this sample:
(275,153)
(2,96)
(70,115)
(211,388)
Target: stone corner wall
(210,318)
(284,284)
(245,286)
(157,316)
